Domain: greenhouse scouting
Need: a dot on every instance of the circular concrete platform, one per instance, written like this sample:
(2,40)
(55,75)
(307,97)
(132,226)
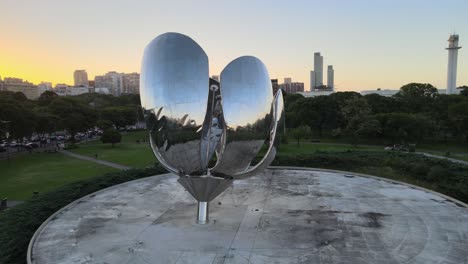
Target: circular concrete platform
(280,216)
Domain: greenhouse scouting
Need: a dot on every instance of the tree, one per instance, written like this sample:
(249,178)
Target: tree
(318,113)
(289,99)
(458,113)
(341,97)
(19,96)
(417,90)
(74,116)
(403,127)
(22,118)
(463,90)
(46,98)
(444,125)
(300,132)
(360,122)
(417,97)
(46,122)
(120,116)
(112,136)
(104,124)
(382,104)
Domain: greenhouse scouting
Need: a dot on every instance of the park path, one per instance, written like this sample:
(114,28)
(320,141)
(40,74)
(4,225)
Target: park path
(421,153)
(102,162)
(442,157)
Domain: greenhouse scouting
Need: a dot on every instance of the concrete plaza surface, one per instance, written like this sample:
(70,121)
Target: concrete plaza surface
(280,216)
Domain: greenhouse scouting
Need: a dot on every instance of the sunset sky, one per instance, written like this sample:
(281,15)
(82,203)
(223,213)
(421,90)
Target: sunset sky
(371,43)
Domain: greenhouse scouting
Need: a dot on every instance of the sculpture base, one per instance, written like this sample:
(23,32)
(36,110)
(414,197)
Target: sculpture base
(281,215)
(202,212)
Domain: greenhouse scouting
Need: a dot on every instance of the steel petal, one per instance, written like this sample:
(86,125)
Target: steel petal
(174,93)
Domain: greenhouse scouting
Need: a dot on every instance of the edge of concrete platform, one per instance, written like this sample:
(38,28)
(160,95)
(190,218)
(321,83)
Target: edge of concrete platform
(451,199)
(50,218)
(46,222)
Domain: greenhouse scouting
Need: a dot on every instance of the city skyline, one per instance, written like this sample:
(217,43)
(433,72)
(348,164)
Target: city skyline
(372,45)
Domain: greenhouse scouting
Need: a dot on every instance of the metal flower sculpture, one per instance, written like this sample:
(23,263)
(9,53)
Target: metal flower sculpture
(205,131)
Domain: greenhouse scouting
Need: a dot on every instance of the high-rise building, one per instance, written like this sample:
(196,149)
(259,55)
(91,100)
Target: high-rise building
(291,87)
(112,81)
(18,85)
(312,80)
(318,71)
(80,77)
(131,83)
(452,64)
(330,77)
(274,85)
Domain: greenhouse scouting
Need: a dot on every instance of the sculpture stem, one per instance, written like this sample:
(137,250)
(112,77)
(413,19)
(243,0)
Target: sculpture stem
(202,215)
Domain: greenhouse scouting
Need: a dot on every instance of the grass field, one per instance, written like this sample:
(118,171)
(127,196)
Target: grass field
(43,172)
(307,147)
(139,155)
(457,151)
(46,171)
(128,152)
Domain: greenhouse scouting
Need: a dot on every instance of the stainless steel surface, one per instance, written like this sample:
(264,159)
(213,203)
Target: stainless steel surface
(174,94)
(204,188)
(202,213)
(248,110)
(213,126)
(191,118)
(278,111)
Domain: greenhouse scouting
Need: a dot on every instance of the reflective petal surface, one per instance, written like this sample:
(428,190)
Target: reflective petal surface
(278,110)
(247,104)
(174,93)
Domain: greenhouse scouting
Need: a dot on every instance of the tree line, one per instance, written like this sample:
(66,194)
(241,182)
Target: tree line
(50,113)
(415,114)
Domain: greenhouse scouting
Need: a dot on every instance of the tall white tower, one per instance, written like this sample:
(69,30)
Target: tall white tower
(330,78)
(452,64)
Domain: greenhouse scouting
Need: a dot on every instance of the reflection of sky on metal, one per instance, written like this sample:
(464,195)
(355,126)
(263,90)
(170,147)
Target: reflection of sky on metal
(174,75)
(246,92)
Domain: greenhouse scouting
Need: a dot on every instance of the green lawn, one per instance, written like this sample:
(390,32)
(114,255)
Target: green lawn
(139,155)
(128,152)
(307,147)
(43,172)
(46,171)
(457,151)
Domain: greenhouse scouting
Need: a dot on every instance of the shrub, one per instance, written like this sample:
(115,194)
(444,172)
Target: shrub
(420,169)
(72,146)
(437,173)
(112,136)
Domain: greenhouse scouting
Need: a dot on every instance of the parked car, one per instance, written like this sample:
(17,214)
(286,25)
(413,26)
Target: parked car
(32,145)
